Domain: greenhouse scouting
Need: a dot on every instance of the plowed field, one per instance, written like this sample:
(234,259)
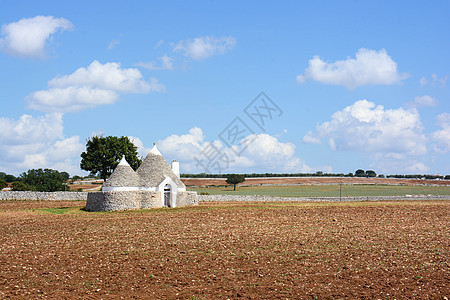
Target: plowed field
(314,181)
(227,250)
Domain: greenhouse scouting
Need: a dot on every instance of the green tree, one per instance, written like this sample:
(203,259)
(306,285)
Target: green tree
(10,178)
(21,186)
(7,177)
(360,173)
(46,180)
(75,178)
(370,173)
(235,179)
(3,184)
(103,154)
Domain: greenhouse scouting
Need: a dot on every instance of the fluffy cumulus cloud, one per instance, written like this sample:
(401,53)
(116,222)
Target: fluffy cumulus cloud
(383,134)
(422,101)
(165,63)
(264,153)
(28,37)
(96,85)
(142,150)
(368,67)
(441,137)
(206,46)
(29,143)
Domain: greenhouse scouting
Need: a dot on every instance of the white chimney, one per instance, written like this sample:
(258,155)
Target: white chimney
(176,168)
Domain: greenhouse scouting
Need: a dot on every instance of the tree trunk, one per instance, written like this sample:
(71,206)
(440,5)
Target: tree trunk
(234,187)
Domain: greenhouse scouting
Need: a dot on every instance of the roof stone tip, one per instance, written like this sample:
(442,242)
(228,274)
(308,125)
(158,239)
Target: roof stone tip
(123,162)
(155,150)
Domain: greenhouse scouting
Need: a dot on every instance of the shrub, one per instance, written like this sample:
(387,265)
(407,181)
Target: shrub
(21,186)
(3,184)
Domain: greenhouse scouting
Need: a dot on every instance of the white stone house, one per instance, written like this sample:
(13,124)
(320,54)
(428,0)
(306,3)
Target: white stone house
(154,184)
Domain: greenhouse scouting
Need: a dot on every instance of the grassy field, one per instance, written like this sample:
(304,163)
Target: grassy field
(326,190)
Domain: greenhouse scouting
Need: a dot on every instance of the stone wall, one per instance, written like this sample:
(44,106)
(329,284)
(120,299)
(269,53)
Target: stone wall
(187,198)
(121,200)
(150,199)
(212,198)
(56,196)
(124,200)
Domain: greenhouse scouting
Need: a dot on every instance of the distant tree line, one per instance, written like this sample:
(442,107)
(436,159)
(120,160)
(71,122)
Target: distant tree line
(7,177)
(358,173)
(250,175)
(41,180)
(419,176)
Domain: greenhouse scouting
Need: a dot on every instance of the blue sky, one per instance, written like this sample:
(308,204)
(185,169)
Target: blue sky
(350,84)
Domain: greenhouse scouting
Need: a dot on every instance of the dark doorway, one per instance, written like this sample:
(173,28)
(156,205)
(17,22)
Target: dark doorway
(167,195)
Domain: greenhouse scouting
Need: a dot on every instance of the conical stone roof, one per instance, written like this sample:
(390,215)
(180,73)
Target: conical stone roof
(154,169)
(123,176)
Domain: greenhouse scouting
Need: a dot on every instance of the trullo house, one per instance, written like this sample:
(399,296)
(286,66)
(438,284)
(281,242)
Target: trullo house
(154,184)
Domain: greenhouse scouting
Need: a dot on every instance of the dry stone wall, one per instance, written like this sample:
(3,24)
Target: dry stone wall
(124,200)
(121,200)
(187,198)
(56,196)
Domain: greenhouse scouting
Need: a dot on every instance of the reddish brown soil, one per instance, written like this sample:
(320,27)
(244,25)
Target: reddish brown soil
(75,187)
(314,180)
(252,250)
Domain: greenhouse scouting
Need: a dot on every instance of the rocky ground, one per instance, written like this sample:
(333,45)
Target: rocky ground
(283,250)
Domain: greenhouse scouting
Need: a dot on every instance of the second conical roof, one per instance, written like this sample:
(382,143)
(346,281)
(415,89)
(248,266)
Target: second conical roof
(123,176)
(154,169)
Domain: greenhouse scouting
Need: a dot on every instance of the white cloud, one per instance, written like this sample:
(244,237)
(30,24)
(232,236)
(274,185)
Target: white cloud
(206,46)
(183,147)
(142,151)
(104,76)
(435,80)
(392,165)
(98,84)
(30,143)
(166,64)
(383,134)
(441,137)
(113,44)
(70,99)
(422,101)
(417,167)
(310,138)
(423,81)
(264,154)
(28,37)
(368,67)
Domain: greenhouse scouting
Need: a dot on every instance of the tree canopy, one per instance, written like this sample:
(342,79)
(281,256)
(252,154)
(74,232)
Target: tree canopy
(21,186)
(103,154)
(235,179)
(46,180)
(7,177)
(3,184)
(371,173)
(360,173)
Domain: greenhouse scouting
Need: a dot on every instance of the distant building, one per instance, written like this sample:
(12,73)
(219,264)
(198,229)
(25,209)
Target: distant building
(154,184)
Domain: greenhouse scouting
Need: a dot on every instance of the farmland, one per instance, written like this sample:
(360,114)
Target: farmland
(330,190)
(384,249)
